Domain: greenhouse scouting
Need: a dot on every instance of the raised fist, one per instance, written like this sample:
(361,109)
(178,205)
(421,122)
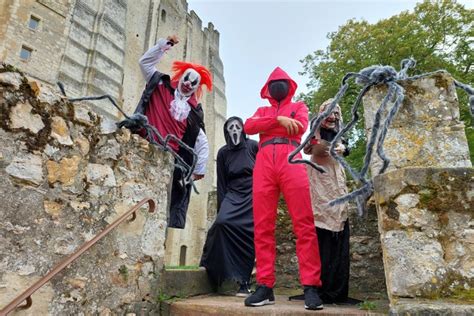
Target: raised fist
(172,40)
(166,44)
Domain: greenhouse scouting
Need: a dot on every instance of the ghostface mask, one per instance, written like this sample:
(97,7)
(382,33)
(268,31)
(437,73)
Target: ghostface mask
(189,82)
(234,128)
(278,89)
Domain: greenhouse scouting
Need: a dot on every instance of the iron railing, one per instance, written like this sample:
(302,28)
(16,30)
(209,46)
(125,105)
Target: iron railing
(26,295)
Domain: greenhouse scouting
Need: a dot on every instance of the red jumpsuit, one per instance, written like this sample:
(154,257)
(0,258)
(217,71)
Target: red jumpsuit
(272,175)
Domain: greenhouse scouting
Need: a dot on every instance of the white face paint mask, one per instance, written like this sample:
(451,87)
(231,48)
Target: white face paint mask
(234,128)
(189,82)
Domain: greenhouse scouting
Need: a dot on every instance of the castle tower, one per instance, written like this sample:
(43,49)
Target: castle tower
(93,47)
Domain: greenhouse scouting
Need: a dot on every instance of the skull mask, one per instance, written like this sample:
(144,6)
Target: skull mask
(189,82)
(234,128)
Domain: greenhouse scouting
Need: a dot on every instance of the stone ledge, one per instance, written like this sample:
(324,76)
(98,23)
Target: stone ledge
(438,308)
(231,305)
(392,183)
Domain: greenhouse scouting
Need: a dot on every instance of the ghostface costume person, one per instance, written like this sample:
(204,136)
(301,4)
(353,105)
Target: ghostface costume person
(229,249)
(280,127)
(171,106)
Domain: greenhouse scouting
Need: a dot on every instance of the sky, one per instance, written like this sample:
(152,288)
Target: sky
(257,36)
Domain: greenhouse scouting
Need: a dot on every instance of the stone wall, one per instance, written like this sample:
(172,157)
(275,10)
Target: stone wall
(66,173)
(93,59)
(47,42)
(367,275)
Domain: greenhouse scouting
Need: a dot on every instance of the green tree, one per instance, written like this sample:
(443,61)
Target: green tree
(437,34)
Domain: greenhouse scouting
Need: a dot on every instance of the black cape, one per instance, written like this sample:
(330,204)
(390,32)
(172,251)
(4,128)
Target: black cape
(229,249)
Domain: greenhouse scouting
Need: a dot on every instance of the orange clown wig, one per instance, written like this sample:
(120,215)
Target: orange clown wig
(179,67)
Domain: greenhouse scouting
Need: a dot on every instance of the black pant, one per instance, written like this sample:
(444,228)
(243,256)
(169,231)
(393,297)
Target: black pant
(179,201)
(334,252)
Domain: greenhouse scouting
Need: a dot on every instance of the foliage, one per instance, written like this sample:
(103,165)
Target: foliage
(437,34)
(367,305)
(123,270)
(162,297)
(464,295)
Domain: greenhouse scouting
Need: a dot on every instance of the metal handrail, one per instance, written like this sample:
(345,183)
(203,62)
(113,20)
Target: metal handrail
(26,295)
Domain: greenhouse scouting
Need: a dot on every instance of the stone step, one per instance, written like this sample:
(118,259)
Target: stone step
(184,283)
(231,305)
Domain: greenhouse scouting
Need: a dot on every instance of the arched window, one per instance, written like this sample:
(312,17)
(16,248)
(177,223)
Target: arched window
(182,255)
(163,16)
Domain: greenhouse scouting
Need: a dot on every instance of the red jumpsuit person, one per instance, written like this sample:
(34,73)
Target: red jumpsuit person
(281,126)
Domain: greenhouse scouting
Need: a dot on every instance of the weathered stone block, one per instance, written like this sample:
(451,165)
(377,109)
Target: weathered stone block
(60,131)
(183,283)
(11,79)
(101,174)
(425,222)
(28,168)
(426,131)
(65,171)
(21,117)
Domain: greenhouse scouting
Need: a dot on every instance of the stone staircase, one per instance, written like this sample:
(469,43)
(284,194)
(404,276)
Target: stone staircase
(188,292)
(230,305)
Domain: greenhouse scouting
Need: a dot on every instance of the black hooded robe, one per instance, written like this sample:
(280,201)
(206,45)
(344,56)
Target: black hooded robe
(229,249)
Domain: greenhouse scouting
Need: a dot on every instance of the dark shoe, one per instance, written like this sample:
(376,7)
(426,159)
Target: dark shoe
(262,296)
(244,290)
(311,298)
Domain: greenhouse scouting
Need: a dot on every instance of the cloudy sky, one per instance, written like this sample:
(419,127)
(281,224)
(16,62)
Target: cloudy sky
(257,36)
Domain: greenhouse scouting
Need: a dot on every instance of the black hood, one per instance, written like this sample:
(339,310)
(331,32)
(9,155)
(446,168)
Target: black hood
(243,136)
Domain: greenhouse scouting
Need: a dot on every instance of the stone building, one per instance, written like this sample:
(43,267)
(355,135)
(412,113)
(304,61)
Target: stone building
(93,47)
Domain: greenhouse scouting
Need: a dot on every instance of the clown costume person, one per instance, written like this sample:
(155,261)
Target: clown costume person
(280,127)
(171,105)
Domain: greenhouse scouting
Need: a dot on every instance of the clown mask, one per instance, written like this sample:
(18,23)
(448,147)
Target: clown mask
(189,82)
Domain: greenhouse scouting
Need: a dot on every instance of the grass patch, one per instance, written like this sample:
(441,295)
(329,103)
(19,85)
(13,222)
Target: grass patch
(123,270)
(466,296)
(163,297)
(367,305)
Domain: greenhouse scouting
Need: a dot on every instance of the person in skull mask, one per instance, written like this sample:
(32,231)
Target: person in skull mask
(171,106)
(281,126)
(331,222)
(229,249)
